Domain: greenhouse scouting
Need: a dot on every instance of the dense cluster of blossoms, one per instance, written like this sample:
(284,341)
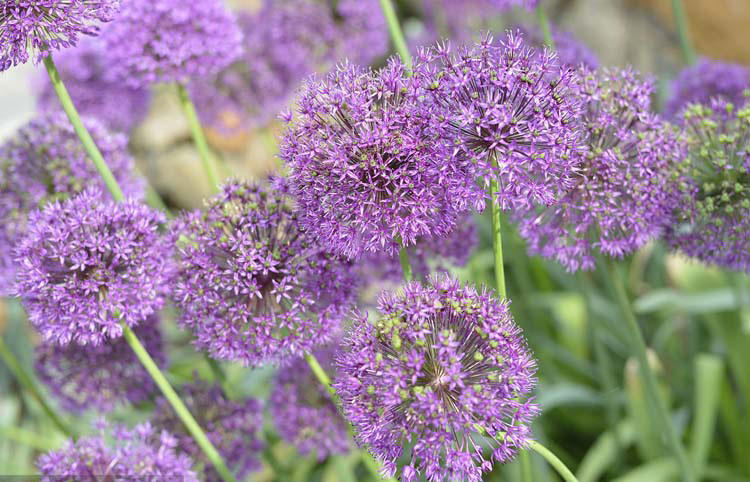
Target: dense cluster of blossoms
(302,409)
(284,42)
(699,83)
(252,285)
(371,162)
(118,454)
(154,41)
(713,215)
(233,427)
(95,91)
(101,376)
(570,51)
(45,161)
(439,362)
(86,265)
(626,185)
(37,27)
(512,112)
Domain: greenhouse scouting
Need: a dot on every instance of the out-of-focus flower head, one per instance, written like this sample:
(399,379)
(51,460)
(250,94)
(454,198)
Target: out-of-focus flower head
(86,265)
(38,27)
(252,285)
(102,376)
(699,83)
(118,454)
(361,31)
(154,41)
(46,161)
(570,51)
(95,91)
(625,188)
(370,161)
(233,427)
(302,409)
(440,361)
(713,215)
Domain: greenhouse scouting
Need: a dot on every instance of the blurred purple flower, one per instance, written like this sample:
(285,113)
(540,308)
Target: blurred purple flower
(570,51)
(361,31)
(440,360)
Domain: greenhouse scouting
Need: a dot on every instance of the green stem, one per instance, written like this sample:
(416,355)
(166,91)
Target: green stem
(680,21)
(638,344)
(182,412)
(397,35)
(497,239)
(199,137)
(544,25)
(28,383)
(555,462)
(403,256)
(83,134)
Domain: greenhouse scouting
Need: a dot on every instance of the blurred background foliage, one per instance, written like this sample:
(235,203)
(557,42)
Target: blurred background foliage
(696,319)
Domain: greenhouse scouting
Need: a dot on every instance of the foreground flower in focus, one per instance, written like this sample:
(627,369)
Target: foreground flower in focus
(38,27)
(441,364)
(512,111)
(171,40)
(232,427)
(369,162)
(102,376)
(713,215)
(252,286)
(118,454)
(303,412)
(625,190)
(86,265)
(45,161)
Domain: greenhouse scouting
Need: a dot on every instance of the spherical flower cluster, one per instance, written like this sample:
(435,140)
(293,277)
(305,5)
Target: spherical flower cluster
(138,454)
(713,215)
(626,186)
(281,47)
(45,161)
(512,111)
(171,40)
(699,83)
(362,33)
(38,27)
(441,363)
(86,265)
(252,286)
(570,51)
(95,91)
(232,427)
(102,376)
(428,252)
(370,162)
(303,412)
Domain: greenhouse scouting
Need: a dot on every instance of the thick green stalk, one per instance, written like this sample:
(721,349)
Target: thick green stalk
(665,426)
(397,35)
(544,25)
(497,240)
(199,137)
(83,134)
(403,256)
(182,412)
(555,462)
(680,22)
(28,383)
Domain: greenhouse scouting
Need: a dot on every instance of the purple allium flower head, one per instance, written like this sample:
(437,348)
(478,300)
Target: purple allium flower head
(95,91)
(362,33)
(370,161)
(570,51)
(303,412)
(699,83)
(512,111)
(171,40)
(713,214)
(102,376)
(624,189)
(440,360)
(86,265)
(508,4)
(233,427)
(282,46)
(252,285)
(45,161)
(118,454)
(38,27)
